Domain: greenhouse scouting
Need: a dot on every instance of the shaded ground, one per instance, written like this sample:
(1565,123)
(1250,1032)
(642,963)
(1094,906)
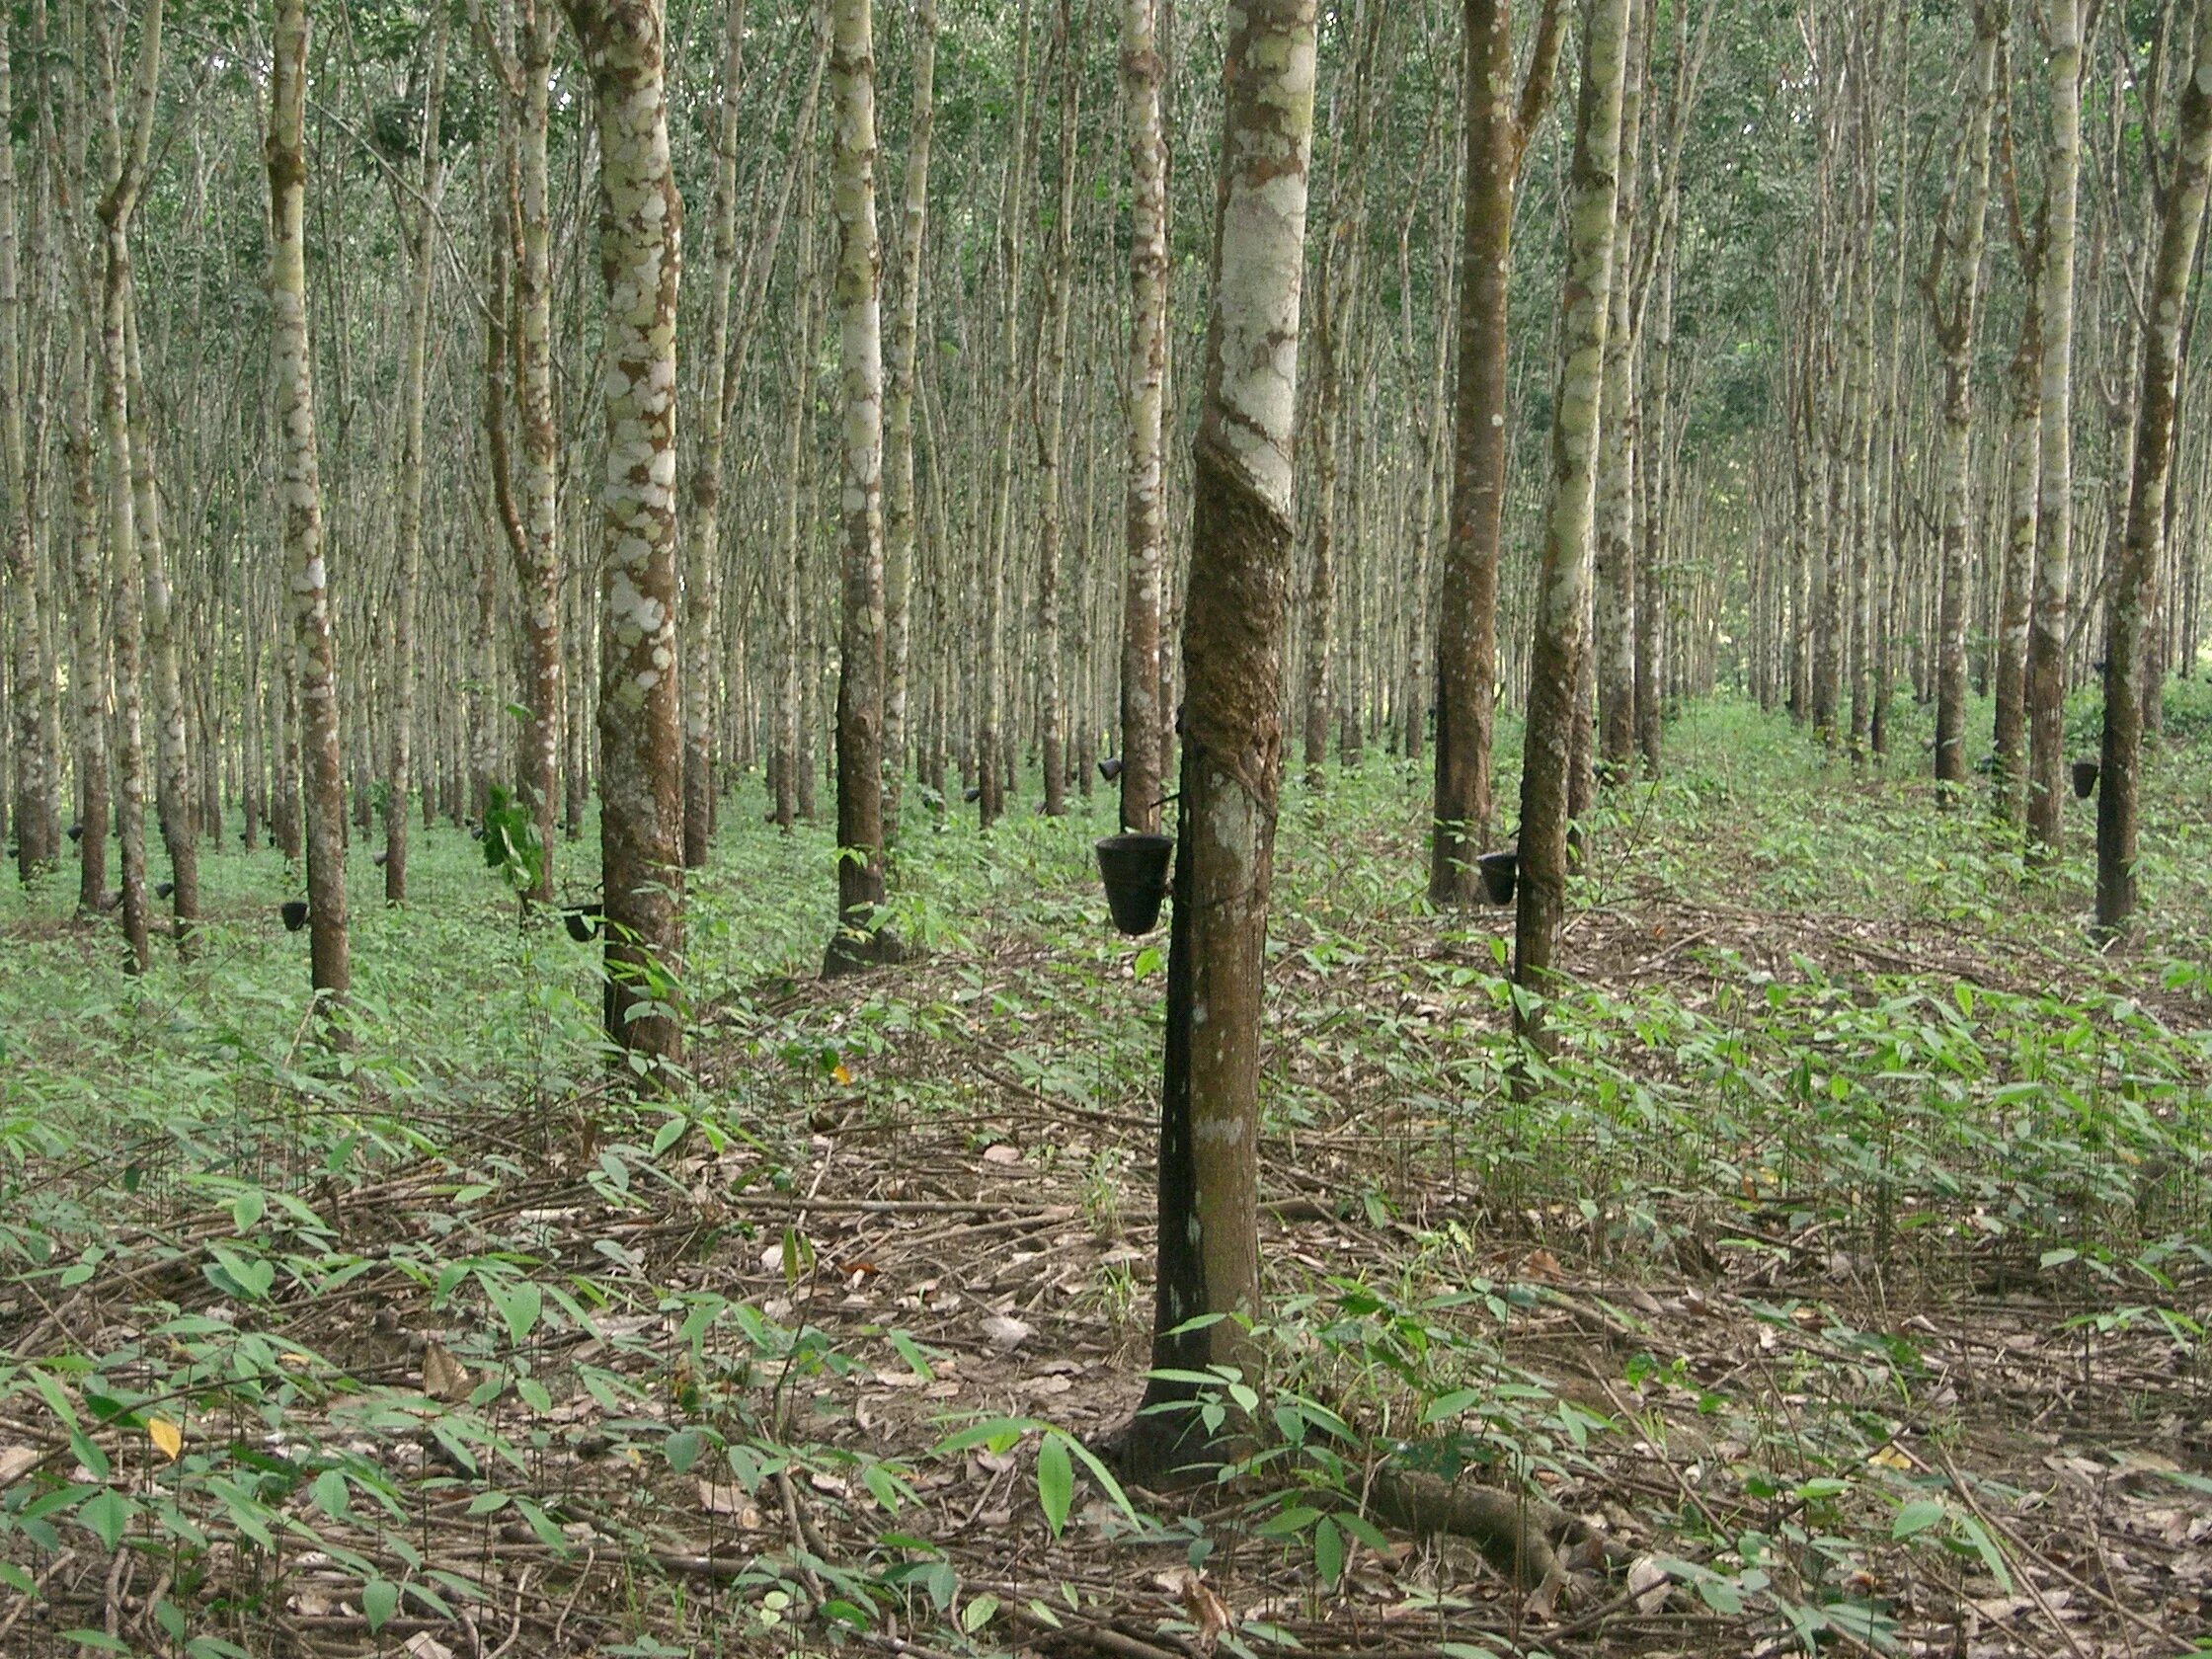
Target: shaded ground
(1848,1280)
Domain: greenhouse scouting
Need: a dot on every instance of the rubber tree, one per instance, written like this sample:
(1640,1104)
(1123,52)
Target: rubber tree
(1561,601)
(127,146)
(861,937)
(1954,304)
(1235,618)
(2132,605)
(418,212)
(899,417)
(30,678)
(641,751)
(702,529)
(1143,510)
(300,502)
(1467,652)
(2054,517)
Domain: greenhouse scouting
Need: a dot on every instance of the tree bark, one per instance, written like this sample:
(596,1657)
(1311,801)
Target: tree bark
(1467,650)
(1144,510)
(2054,520)
(861,937)
(418,227)
(899,419)
(641,752)
(1012,240)
(702,541)
(1052,372)
(300,496)
(2132,605)
(30,677)
(1955,310)
(1560,645)
(1232,736)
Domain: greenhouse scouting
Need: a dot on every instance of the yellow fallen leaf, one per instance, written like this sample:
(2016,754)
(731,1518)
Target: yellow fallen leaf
(1890,1458)
(167,1436)
(839,1073)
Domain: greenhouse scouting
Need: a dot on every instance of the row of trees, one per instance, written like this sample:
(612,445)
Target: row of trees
(1709,340)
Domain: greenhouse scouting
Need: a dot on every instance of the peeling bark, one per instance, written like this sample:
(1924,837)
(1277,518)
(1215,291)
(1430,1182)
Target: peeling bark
(641,755)
(300,502)
(2132,605)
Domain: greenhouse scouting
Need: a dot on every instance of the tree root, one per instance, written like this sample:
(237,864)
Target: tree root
(1520,1534)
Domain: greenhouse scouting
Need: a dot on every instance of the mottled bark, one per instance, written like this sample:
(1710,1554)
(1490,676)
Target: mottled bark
(641,754)
(126,157)
(1052,423)
(417,223)
(181,811)
(1013,227)
(2054,518)
(1232,738)
(2023,449)
(300,502)
(1559,650)
(1467,652)
(2132,605)
(1619,412)
(30,673)
(1955,305)
(702,538)
(1144,521)
(899,419)
(861,937)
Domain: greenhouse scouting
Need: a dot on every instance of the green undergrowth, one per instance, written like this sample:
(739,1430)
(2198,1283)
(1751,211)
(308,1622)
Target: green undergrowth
(261,1299)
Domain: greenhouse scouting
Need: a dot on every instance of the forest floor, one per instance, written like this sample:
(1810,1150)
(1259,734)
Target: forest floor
(1842,1287)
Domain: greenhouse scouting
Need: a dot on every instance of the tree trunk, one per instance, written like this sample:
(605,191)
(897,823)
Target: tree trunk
(2132,605)
(702,541)
(861,938)
(2054,521)
(1232,737)
(1012,238)
(1467,650)
(1613,565)
(1052,372)
(1144,521)
(30,677)
(899,419)
(1954,313)
(1560,645)
(540,572)
(419,227)
(641,752)
(300,506)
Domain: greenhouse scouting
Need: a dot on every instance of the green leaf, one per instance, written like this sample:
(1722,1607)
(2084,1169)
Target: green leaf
(1056,1482)
(331,1494)
(977,1612)
(1977,1534)
(1917,1517)
(884,1486)
(519,1303)
(107,1514)
(99,1639)
(684,1450)
(1329,1552)
(379,1600)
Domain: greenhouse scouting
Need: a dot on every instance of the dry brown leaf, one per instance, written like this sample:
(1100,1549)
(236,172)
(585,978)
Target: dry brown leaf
(1001,1153)
(1207,1611)
(17,1460)
(722,1498)
(1006,1331)
(423,1646)
(442,1375)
